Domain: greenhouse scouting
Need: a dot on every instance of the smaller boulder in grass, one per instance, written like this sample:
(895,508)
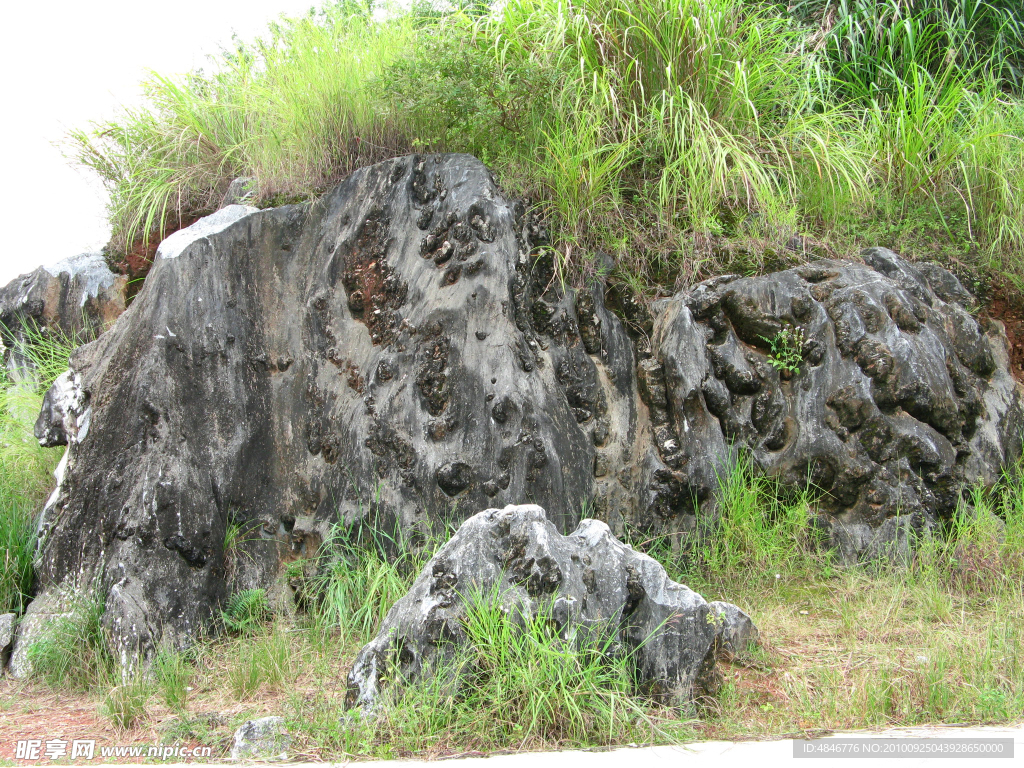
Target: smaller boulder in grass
(264,738)
(737,634)
(598,592)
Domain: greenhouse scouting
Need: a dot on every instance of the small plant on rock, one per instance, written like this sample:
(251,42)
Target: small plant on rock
(787,350)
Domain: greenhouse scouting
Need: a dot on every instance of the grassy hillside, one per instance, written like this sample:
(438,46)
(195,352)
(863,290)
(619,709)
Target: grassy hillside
(683,136)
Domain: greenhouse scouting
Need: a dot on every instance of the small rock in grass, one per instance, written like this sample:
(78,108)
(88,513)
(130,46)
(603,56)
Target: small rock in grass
(266,737)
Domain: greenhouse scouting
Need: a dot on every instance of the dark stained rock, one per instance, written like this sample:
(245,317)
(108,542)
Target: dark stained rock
(78,296)
(900,399)
(599,593)
(320,362)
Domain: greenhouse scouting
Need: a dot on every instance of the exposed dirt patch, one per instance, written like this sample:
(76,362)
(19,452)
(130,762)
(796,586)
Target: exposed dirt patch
(31,712)
(374,290)
(137,260)
(1007,306)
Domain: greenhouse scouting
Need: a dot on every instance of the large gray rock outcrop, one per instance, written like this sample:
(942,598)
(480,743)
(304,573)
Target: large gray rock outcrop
(78,296)
(374,355)
(8,622)
(598,592)
(401,353)
(900,399)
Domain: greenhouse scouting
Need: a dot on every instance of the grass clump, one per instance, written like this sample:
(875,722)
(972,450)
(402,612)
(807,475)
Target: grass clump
(125,705)
(72,653)
(173,673)
(525,687)
(757,528)
(260,663)
(364,567)
(26,469)
(690,134)
(520,684)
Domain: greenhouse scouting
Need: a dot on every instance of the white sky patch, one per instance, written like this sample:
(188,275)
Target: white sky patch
(76,62)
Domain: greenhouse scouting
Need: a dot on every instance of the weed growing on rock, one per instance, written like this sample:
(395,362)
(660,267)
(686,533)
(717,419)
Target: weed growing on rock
(787,350)
(842,648)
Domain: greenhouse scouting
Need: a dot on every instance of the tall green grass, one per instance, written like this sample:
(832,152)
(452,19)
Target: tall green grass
(516,684)
(522,685)
(25,479)
(292,110)
(363,571)
(871,44)
(26,469)
(72,653)
(654,130)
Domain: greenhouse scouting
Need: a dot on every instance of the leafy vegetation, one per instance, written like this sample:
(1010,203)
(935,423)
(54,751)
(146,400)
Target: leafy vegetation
(786,350)
(26,469)
(246,611)
(73,654)
(679,135)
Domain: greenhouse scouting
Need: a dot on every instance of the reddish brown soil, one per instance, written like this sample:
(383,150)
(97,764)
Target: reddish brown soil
(32,714)
(139,257)
(1007,306)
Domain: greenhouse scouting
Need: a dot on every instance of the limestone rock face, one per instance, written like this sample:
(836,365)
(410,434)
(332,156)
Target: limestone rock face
(899,397)
(373,355)
(79,296)
(599,593)
(402,352)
